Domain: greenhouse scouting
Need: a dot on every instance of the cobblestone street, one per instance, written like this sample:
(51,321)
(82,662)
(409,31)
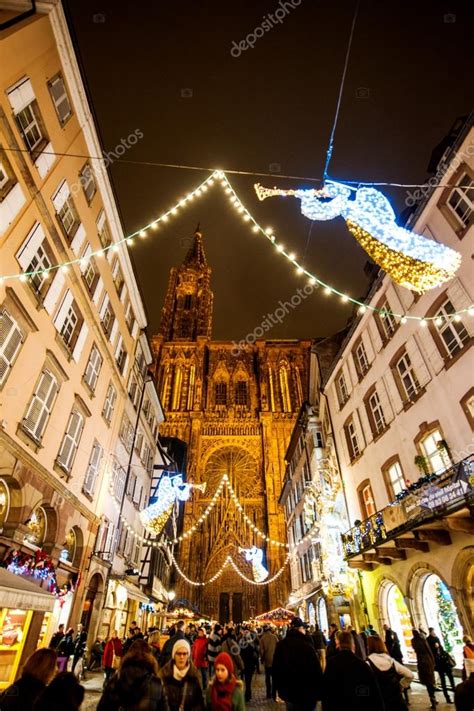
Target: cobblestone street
(418,696)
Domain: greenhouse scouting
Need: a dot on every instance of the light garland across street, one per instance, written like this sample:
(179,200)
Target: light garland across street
(220,177)
(229,561)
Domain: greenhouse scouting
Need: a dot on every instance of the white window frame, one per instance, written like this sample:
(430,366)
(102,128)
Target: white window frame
(414,388)
(377,412)
(342,391)
(71,439)
(362,365)
(44,402)
(94,364)
(6,177)
(11,340)
(459,334)
(396,478)
(438,459)
(109,403)
(93,468)
(352,432)
(87,180)
(368,499)
(460,194)
(387,320)
(30,125)
(68,217)
(119,476)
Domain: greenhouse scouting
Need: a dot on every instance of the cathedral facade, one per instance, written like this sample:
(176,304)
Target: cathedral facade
(235,407)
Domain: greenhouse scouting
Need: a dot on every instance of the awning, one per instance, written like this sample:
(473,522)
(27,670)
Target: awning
(134,592)
(16,592)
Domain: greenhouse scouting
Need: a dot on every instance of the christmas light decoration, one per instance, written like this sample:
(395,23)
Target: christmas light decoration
(228,562)
(170,490)
(254,555)
(447,617)
(411,260)
(219,178)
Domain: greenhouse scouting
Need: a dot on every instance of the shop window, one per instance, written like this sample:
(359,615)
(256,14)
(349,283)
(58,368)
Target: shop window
(68,550)
(441,614)
(436,455)
(4,502)
(366,499)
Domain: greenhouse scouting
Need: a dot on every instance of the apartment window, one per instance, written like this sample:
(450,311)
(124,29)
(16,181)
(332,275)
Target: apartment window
(387,320)
(109,404)
(352,440)
(121,355)
(3,176)
(453,333)
(461,200)
(58,92)
(395,479)
(90,275)
(68,321)
(132,482)
(105,539)
(241,393)
(118,486)
(70,442)
(407,377)
(221,393)
(30,124)
(133,389)
(341,388)
(438,458)
(107,316)
(139,444)
(7,176)
(117,276)
(94,364)
(39,409)
(360,359)
(11,338)
(68,217)
(35,255)
(146,408)
(126,433)
(376,417)
(103,230)
(92,469)
(366,498)
(129,316)
(87,179)
(140,362)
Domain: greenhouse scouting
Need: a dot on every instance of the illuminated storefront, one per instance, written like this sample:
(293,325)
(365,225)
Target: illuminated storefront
(323,621)
(440,613)
(396,615)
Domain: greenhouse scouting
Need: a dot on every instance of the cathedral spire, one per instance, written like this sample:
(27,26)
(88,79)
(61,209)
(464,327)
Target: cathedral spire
(195,255)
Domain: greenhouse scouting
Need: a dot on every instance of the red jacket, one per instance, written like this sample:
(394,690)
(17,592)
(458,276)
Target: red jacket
(199,652)
(113,645)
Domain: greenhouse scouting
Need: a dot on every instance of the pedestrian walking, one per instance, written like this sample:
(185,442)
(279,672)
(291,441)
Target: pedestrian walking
(113,653)
(64,693)
(425,663)
(181,680)
(79,645)
(136,685)
(65,649)
(464,692)
(359,647)
(37,672)
(320,644)
(331,648)
(249,657)
(97,652)
(56,638)
(224,692)
(348,682)
(268,643)
(214,644)
(296,669)
(387,673)
(392,643)
(444,663)
(169,644)
(199,655)
(154,642)
(231,646)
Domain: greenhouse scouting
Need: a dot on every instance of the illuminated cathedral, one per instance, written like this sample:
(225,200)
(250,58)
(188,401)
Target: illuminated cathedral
(235,408)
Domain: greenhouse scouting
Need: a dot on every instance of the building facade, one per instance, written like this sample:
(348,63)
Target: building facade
(72,351)
(401,399)
(235,408)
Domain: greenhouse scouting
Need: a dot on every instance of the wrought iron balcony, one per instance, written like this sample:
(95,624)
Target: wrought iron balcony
(433,498)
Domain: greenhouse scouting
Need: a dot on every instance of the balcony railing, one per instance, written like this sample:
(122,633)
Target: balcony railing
(443,494)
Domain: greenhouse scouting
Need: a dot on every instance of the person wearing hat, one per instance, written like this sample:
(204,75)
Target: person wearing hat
(268,643)
(181,680)
(224,692)
(296,669)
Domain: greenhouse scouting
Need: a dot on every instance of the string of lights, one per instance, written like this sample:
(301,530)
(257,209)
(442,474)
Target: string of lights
(229,561)
(220,177)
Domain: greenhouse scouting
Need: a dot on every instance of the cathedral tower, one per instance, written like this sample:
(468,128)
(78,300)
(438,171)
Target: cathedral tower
(236,410)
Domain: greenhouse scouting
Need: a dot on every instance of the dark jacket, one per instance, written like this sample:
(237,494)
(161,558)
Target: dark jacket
(66,646)
(168,648)
(190,687)
(393,645)
(268,643)
(319,640)
(439,654)
(55,640)
(350,684)
(464,695)
(249,657)
(425,661)
(231,646)
(331,649)
(213,646)
(296,669)
(80,643)
(21,695)
(134,688)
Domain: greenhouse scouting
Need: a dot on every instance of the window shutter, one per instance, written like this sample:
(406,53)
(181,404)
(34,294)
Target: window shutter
(98,291)
(79,238)
(103,308)
(41,404)
(93,468)
(101,221)
(94,365)
(60,196)
(124,294)
(62,313)
(71,440)
(11,338)
(431,350)
(114,330)
(419,366)
(54,292)
(118,347)
(86,255)
(81,339)
(60,98)
(459,298)
(21,95)
(30,246)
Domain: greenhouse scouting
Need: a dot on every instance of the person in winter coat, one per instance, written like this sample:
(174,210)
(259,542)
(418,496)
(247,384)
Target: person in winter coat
(425,663)
(199,655)
(359,647)
(467,653)
(181,680)
(97,652)
(214,647)
(320,644)
(231,646)
(441,662)
(113,653)
(154,642)
(387,671)
(331,648)
(296,669)
(464,693)
(65,649)
(79,645)
(268,643)
(136,686)
(38,671)
(249,658)
(64,693)
(349,683)
(393,644)
(169,644)
(56,638)
(224,692)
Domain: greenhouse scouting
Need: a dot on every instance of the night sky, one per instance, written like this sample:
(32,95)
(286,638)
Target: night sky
(167,70)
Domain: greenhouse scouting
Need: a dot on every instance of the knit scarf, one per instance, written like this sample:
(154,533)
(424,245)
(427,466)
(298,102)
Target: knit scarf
(221,694)
(179,675)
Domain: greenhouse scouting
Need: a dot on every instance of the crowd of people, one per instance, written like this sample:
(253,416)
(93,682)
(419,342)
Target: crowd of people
(212,669)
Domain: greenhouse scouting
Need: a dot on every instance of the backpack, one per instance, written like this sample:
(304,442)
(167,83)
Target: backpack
(388,682)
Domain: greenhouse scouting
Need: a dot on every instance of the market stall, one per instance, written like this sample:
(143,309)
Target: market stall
(25,609)
(279,617)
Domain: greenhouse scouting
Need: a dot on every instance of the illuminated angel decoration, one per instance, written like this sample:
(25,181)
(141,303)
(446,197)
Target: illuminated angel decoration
(170,490)
(254,555)
(411,260)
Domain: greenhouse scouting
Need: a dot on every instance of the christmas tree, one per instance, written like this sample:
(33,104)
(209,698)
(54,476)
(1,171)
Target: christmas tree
(447,617)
